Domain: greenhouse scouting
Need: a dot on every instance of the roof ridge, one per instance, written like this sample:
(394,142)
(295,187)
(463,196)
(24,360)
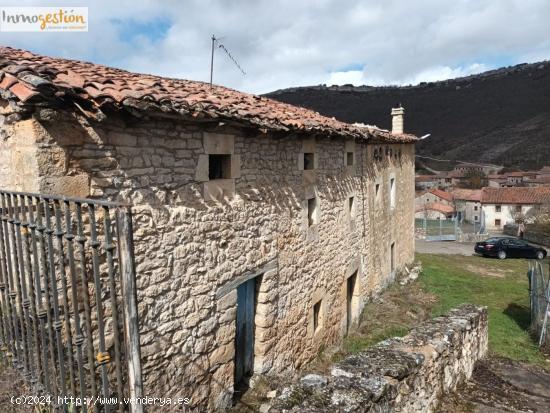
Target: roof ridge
(29,78)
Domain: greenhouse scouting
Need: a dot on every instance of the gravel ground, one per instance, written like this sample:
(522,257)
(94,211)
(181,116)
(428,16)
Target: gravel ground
(444,247)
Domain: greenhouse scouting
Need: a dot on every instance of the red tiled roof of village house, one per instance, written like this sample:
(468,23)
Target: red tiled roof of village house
(436,206)
(518,174)
(447,196)
(33,78)
(515,195)
(467,194)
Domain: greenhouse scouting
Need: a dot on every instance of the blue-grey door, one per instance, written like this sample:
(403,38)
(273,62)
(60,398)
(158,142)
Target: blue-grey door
(244,336)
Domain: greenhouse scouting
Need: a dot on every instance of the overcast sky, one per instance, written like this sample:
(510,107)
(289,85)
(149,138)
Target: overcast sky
(283,43)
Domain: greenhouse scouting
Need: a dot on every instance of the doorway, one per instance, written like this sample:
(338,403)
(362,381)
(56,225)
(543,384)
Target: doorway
(244,335)
(350,292)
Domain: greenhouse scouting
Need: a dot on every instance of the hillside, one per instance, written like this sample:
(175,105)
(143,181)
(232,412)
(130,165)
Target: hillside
(501,116)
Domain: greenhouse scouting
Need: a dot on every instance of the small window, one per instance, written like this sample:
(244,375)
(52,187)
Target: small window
(349,158)
(219,167)
(392,193)
(497,222)
(312,211)
(351,200)
(518,208)
(497,208)
(475,208)
(316,316)
(476,218)
(376,190)
(392,256)
(309,161)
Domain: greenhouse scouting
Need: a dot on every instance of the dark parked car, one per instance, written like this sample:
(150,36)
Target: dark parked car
(508,248)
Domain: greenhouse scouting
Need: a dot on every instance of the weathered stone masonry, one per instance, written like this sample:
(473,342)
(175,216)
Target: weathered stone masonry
(408,374)
(191,249)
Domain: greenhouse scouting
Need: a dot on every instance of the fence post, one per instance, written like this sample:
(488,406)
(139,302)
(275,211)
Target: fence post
(129,294)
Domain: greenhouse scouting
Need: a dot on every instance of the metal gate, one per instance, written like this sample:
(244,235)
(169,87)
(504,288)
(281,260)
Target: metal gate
(437,229)
(539,298)
(68,313)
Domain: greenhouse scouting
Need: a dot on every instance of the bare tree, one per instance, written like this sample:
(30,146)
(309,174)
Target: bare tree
(474,179)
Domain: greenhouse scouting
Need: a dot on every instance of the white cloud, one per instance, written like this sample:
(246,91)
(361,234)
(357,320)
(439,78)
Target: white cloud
(283,43)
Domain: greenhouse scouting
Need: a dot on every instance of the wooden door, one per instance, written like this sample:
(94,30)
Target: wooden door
(244,336)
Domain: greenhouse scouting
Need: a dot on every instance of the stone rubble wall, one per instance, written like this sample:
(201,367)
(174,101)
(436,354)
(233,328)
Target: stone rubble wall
(408,374)
(531,234)
(187,249)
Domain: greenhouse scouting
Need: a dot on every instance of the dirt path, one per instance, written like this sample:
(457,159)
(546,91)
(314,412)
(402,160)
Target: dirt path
(501,385)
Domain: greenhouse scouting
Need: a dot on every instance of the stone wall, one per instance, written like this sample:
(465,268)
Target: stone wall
(532,234)
(18,151)
(407,374)
(192,250)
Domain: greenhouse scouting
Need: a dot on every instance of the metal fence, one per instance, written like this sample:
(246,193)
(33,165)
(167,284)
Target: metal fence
(539,293)
(68,317)
(437,229)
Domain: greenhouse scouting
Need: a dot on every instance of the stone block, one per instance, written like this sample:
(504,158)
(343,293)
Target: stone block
(75,186)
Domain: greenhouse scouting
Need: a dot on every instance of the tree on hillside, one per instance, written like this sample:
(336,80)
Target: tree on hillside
(474,180)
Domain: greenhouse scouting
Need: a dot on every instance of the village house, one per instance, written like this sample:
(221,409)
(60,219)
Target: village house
(466,167)
(501,206)
(424,182)
(434,195)
(468,204)
(434,204)
(236,199)
(434,210)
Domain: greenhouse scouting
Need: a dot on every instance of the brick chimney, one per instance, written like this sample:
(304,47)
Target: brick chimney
(397,119)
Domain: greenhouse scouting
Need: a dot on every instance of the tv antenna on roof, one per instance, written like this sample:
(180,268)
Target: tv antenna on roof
(215,42)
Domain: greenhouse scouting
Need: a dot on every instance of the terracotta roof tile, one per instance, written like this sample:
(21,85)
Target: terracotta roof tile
(515,195)
(23,92)
(447,196)
(436,206)
(107,88)
(467,194)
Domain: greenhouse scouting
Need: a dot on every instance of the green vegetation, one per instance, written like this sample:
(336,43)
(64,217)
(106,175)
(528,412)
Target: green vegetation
(500,285)
(446,282)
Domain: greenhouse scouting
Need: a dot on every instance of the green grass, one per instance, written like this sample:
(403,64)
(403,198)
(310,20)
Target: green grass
(501,285)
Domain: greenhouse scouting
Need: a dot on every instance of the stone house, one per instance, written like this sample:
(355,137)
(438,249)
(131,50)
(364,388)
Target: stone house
(236,199)
(501,206)
(434,210)
(468,204)
(434,195)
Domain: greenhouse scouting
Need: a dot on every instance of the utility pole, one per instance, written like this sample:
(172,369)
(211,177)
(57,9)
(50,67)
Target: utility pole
(212,61)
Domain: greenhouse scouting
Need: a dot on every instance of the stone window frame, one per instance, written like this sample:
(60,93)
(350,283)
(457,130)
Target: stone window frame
(393,257)
(308,146)
(354,267)
(377,187)
(349,149)
(311,231)
(392,187)
(218,144)
(350,211)
(317,298)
